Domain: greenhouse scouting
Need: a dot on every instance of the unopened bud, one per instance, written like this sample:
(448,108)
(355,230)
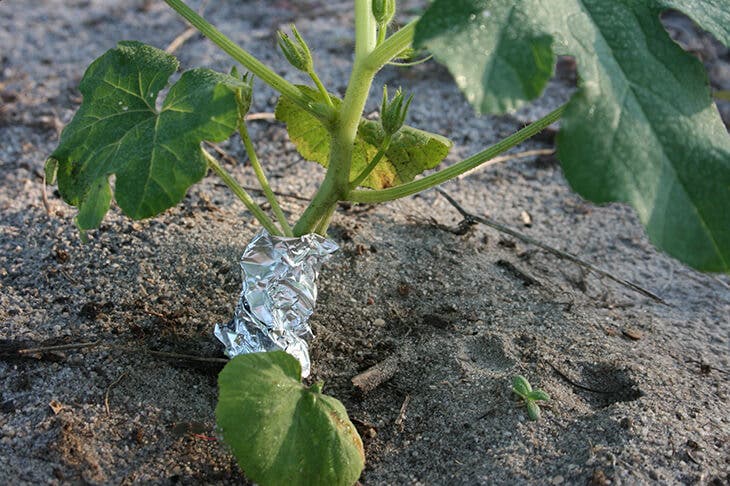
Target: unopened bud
(297,53)
(393,112)
(383,11)
(244,94)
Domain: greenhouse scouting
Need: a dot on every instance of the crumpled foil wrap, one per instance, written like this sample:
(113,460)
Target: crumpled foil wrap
(279,294)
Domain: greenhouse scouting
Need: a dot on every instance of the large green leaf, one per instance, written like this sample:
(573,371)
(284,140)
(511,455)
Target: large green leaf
(642,127)
(410,152)
(712,15)
(155,155)
(282,432)
(476,40)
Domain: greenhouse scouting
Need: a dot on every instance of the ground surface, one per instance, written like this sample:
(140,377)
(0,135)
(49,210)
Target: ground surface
(640,389)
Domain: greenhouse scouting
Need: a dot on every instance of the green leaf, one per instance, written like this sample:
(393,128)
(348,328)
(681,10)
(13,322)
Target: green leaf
(533,410)
(282,432)
(476,40)
(538,395)
(642,128)
(521,386)
(410,153)
(712,15)
(155,155)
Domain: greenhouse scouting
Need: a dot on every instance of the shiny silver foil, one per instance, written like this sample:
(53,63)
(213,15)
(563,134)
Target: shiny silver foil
(279,293)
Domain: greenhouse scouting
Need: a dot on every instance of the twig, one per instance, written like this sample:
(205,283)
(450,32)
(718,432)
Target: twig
(526,278)
(376,375)
(507,158)
(118,347)
(185,35)
(577,385)
(189,357)
(108,389)
(44,195)
(225,155)
(402,414)
(60,347)
(268,116)
(559,253)
(181,39)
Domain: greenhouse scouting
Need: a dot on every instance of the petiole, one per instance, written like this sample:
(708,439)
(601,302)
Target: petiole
(410,188)
(241,193)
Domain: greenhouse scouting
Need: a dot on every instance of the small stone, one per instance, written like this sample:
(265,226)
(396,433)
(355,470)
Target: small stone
(632,334)
(557,480)
(379,322)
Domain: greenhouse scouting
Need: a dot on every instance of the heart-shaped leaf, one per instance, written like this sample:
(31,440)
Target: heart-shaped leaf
(641,129)
(155,155)
(282,432)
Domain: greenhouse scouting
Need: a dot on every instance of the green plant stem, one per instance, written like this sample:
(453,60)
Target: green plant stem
(391,47)
(324,223)
(371,166)
(258,68)
(322,89)
(365,29)
(261,176)
(336,183)
(382,33)
(455,170)
(241,193)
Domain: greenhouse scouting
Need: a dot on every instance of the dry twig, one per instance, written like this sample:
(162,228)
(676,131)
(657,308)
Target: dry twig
(376,375)
(559,253)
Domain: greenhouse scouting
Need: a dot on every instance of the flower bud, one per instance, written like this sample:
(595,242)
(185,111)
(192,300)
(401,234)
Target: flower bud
(383,11)
(297,53)
(393,112)
(244,94)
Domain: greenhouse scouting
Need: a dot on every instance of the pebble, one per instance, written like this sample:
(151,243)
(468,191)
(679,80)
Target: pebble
(379,322)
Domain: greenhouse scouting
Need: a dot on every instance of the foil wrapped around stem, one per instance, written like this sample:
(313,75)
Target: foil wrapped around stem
(278,296)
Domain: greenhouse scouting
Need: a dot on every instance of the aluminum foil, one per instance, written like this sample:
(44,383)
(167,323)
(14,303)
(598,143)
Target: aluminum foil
(279,293)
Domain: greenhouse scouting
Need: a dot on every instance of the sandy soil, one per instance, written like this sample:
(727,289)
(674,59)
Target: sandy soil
(640,389)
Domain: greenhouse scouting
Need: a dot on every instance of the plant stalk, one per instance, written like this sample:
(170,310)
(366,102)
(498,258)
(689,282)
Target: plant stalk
(336,183)
(241,193)
(392,46)
(410,188)
(261,176)
(258,68)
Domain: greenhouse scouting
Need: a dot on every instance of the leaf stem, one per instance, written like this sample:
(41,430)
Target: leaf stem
(392,46)
(261,176)
(322,89)
(449,173)
(371,166)
(241,193)
(258,68)
(336,182)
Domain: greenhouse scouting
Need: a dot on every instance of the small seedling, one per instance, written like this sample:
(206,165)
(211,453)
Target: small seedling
(641,128)
(522,387)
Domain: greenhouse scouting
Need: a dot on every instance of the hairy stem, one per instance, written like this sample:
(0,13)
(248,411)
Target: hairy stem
(336,183)
(241,193)
(258,68)
(391,47)
(261,176)
(449,173)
